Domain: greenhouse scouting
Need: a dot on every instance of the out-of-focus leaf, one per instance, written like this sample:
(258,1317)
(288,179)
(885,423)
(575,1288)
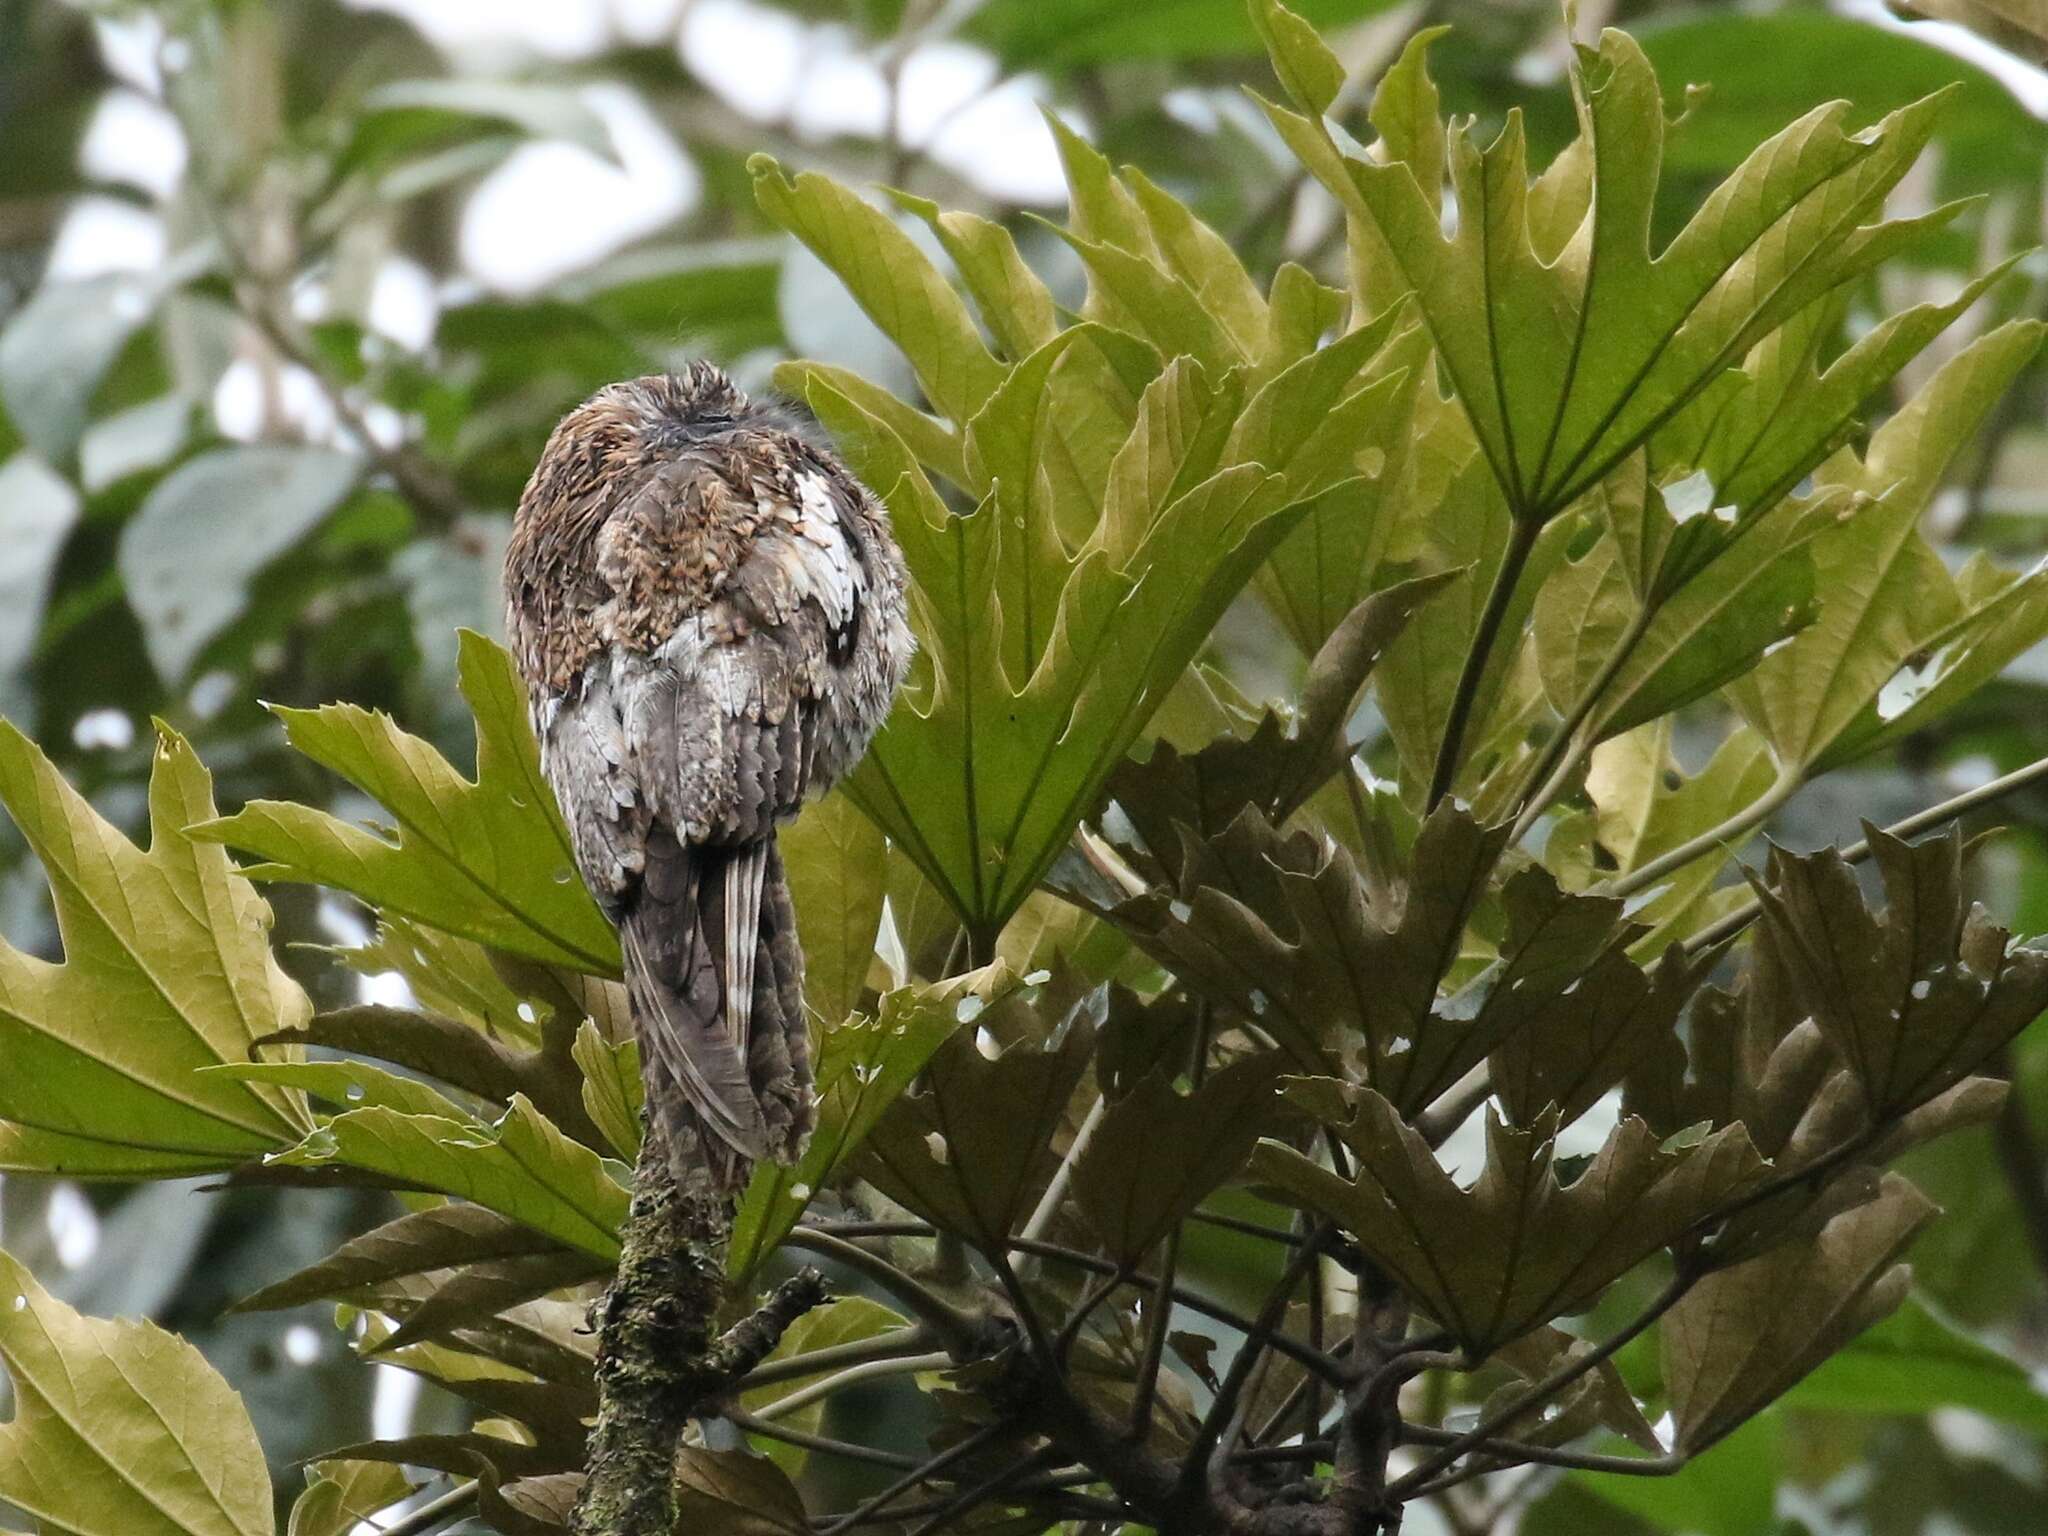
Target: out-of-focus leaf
(1914,1000)
(521,1167)
(58,347)
(848,1320)
(1064,34)
(1744,1335)
(612,1087)
(1158,1154)
(121,1429)
(487,859)
(718,295)
(1734,1493)
(102,1050)
(1755,63)
(1895,623)
(1915,1361)
(2015,25)
(837,862)
(38,509)
(1443,1243)
(862,1068)
(207,527)
(411,112)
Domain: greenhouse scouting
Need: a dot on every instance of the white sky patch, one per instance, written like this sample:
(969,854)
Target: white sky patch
(844,93)
(554,207)
(402,303)
(386,989)
(1002,144)
(646,21)
(111,729)
(748,55)
(392,1402)
(103,234)
(302,1345)
(134,141)
(129,44)
(560,29)
(74,1226)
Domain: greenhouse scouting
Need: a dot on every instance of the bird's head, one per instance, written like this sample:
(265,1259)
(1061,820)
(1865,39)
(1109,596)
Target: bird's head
(626,427)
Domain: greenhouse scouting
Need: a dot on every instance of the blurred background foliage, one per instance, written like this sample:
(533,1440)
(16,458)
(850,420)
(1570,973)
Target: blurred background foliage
(290,295)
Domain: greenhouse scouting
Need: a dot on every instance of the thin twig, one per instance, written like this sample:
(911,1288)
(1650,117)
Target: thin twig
(1294,1349)
(1223,1417)
(853,1376)
(915,1340)
(958,1329)
(767,1429)
(1912,826)
(1490,1427)
(923,1471)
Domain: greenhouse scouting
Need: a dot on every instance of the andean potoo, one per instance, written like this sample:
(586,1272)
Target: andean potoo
(708,610)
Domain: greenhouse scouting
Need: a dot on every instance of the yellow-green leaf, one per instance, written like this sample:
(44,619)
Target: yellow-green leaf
(167,970)
(119,1428)
(485,858)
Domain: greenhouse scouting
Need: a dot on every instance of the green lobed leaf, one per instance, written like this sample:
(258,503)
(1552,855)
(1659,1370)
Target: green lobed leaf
(102,1050)
(891,280)
(837,862)
(521,1167)
(487,859)
(121,1429)
(863,1066)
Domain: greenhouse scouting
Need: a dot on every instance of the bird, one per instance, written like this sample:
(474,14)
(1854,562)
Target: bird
(708,612)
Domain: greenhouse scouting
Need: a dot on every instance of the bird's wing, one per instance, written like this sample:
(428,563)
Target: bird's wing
(676,761)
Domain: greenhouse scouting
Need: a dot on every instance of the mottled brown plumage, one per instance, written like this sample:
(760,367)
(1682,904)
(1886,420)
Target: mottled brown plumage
(709,614)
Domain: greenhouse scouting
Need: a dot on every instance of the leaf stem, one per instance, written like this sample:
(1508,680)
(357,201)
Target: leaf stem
(1491,617)
(915,1340)
(852,1376)
(1563,753)
(957,1328)
(753,1424)
(1732,923)
(1490,1427)
(922,1472)
(1718,839)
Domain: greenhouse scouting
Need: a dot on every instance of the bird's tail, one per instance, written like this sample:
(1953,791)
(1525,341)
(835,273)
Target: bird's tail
(715,976)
